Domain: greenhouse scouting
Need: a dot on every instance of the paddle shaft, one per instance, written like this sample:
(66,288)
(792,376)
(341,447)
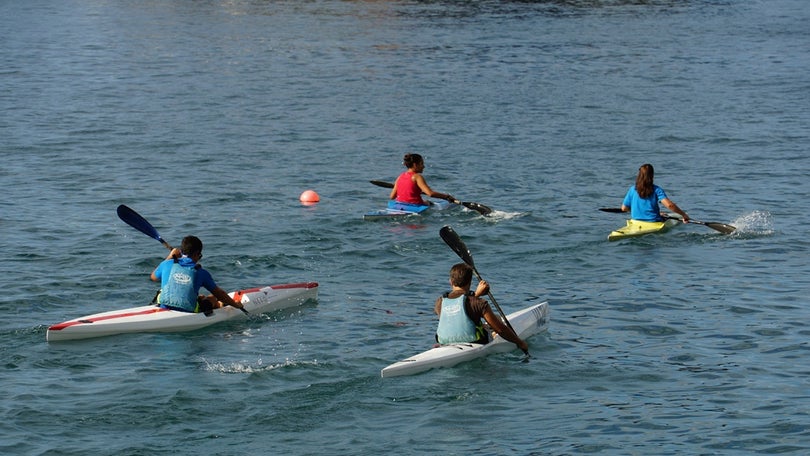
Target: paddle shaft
(717,226)
(492,298)
(390,185)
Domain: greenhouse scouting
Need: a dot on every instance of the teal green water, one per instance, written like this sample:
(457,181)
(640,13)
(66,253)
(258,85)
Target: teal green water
(211,118)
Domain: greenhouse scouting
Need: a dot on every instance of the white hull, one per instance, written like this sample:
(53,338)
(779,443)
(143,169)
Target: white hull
(526,322)
(154,319)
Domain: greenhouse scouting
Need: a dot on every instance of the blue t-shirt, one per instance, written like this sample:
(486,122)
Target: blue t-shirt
(645,209)
(201,279)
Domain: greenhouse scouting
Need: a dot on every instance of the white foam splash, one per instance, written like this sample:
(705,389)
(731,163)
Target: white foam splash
(503,215)
(756,222)
(250,368)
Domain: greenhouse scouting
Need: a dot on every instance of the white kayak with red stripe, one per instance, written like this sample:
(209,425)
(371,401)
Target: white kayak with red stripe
(155,319)
(526,322)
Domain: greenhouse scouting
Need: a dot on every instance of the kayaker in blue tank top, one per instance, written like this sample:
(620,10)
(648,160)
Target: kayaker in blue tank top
(181,280)
(642,198)
(461,311)
(181,277)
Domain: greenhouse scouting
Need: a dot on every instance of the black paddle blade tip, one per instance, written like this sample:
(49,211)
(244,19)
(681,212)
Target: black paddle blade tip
(478,207)
(453,240)
(448,234)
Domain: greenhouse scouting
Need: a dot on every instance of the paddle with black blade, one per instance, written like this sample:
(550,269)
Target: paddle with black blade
(452,239)
(717,226)
(477,207)
(135,220)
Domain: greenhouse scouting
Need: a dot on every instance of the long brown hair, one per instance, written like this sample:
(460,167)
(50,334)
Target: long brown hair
(644,180)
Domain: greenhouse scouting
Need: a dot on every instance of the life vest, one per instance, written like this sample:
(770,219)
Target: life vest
(454,324)
(180,292)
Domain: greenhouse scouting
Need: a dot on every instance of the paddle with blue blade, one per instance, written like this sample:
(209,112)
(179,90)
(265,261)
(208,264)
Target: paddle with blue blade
(477,207)
(135,220)
(717,226)
(452,239)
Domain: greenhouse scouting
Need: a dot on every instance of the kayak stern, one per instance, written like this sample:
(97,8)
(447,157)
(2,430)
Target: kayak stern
(635,228)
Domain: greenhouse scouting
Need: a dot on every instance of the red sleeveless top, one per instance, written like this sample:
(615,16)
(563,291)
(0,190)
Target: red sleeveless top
(407,190)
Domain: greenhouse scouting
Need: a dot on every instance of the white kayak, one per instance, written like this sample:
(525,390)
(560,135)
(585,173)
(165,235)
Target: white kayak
(152,318)
(526,322)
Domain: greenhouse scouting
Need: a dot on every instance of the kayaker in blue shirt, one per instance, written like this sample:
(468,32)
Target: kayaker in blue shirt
(181,277)
(642,198)
(460,312)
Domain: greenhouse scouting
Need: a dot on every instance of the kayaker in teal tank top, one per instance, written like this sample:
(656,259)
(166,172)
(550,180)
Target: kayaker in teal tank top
(461,311)
(454,324)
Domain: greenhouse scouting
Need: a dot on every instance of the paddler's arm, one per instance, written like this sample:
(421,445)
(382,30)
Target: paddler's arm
(224,298)
(674,208)
(625,208)
(481,289)
(420,181)
(504,331)
(175,253)
(495,321)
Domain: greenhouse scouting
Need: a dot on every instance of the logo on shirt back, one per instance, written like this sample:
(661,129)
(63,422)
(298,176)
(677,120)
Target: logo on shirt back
(453,309)
(181,278)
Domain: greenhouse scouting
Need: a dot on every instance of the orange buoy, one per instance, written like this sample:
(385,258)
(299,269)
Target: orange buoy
(309,197)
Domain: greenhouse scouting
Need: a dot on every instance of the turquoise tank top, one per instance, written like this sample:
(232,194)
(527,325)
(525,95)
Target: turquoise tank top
(454,324)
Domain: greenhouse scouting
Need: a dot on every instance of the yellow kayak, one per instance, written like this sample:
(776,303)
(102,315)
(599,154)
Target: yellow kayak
(640,228)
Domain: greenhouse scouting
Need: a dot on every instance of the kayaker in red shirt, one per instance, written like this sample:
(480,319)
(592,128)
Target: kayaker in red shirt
(411,184)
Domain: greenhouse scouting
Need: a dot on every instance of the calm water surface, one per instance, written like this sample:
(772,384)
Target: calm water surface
(212,117)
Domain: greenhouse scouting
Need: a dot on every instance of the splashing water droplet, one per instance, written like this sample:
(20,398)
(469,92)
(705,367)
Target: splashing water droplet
(756,222)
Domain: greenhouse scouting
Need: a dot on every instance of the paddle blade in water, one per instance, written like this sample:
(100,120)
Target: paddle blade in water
(452,239)
(721,227)
(477,207)
(611,209)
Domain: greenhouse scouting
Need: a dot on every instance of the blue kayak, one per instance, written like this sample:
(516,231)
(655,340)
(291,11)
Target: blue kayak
(397,210)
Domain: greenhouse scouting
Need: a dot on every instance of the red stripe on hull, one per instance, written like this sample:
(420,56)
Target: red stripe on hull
(293,285)
(66,324)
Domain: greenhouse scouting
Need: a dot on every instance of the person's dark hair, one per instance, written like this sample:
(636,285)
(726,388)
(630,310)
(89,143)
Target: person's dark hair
(461,275)
(412,159)
(191,245)
(644,180)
